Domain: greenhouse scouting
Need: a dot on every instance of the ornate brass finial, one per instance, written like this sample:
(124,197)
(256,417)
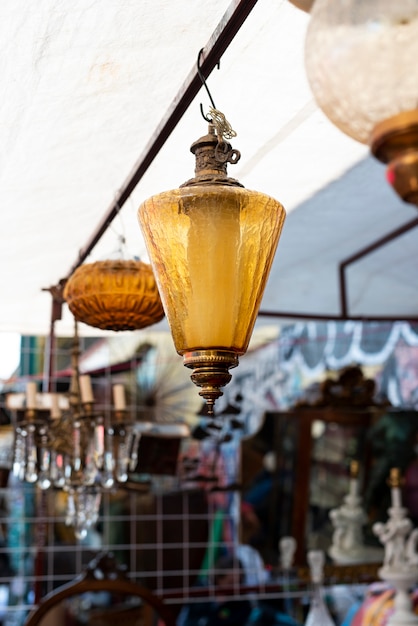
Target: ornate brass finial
(210,372)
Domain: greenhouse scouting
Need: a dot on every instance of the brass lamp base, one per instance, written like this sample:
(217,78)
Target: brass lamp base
(395,142)
(210,371)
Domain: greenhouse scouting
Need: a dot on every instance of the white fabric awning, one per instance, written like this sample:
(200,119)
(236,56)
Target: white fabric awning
(86,85)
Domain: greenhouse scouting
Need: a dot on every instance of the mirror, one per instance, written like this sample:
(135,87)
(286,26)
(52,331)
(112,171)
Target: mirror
(296,467)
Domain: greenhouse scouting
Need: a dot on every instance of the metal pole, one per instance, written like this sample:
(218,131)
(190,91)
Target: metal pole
(364,252)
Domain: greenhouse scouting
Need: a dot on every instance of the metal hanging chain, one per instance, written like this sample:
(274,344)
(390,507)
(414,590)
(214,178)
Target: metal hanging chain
(223,127)
(217,118)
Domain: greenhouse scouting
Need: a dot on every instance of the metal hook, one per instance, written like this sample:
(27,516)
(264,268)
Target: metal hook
(202,78)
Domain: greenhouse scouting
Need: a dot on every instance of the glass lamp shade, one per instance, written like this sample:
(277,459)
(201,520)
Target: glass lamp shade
(360,58)
(212,249)
(211,244)
(114,295)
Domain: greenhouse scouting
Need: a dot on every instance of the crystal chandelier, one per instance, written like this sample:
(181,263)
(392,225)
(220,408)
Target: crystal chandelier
(76,448)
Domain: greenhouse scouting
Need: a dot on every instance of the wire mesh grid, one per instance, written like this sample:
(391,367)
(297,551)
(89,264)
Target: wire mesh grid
(165,535)
(168,540)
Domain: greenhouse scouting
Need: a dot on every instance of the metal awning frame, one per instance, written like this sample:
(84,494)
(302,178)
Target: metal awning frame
(209,58)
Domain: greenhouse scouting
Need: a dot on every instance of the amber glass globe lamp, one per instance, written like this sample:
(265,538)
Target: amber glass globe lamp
(361,64)
(114,295)
(211,244)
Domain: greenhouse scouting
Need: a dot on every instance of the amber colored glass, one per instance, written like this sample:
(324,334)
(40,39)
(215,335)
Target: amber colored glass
(114,295)
(211,248)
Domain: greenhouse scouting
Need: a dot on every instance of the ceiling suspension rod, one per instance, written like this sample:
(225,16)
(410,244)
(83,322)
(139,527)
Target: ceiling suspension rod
(222,36)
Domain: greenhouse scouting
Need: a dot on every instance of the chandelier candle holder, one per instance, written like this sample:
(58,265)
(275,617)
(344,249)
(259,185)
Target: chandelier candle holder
(121,435)
(78,449)
(360,62)
(400,565)
(30,436)
(211,244)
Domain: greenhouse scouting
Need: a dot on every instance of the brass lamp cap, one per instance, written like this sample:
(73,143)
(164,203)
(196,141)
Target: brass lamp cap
(395,142)
(395,136)
(212,156)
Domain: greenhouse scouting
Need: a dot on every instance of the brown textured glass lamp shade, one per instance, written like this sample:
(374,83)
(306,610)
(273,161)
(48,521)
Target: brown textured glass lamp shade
(211,244)
(114,295)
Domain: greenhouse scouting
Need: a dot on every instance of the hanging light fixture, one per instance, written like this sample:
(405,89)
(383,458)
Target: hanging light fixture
(211,244)
(361,65)
(114,295)
(303,5)
(76,449)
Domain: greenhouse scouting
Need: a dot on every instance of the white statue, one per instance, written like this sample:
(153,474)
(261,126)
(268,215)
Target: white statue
(397,534)
(394,535)
(348,521)
(400,565)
